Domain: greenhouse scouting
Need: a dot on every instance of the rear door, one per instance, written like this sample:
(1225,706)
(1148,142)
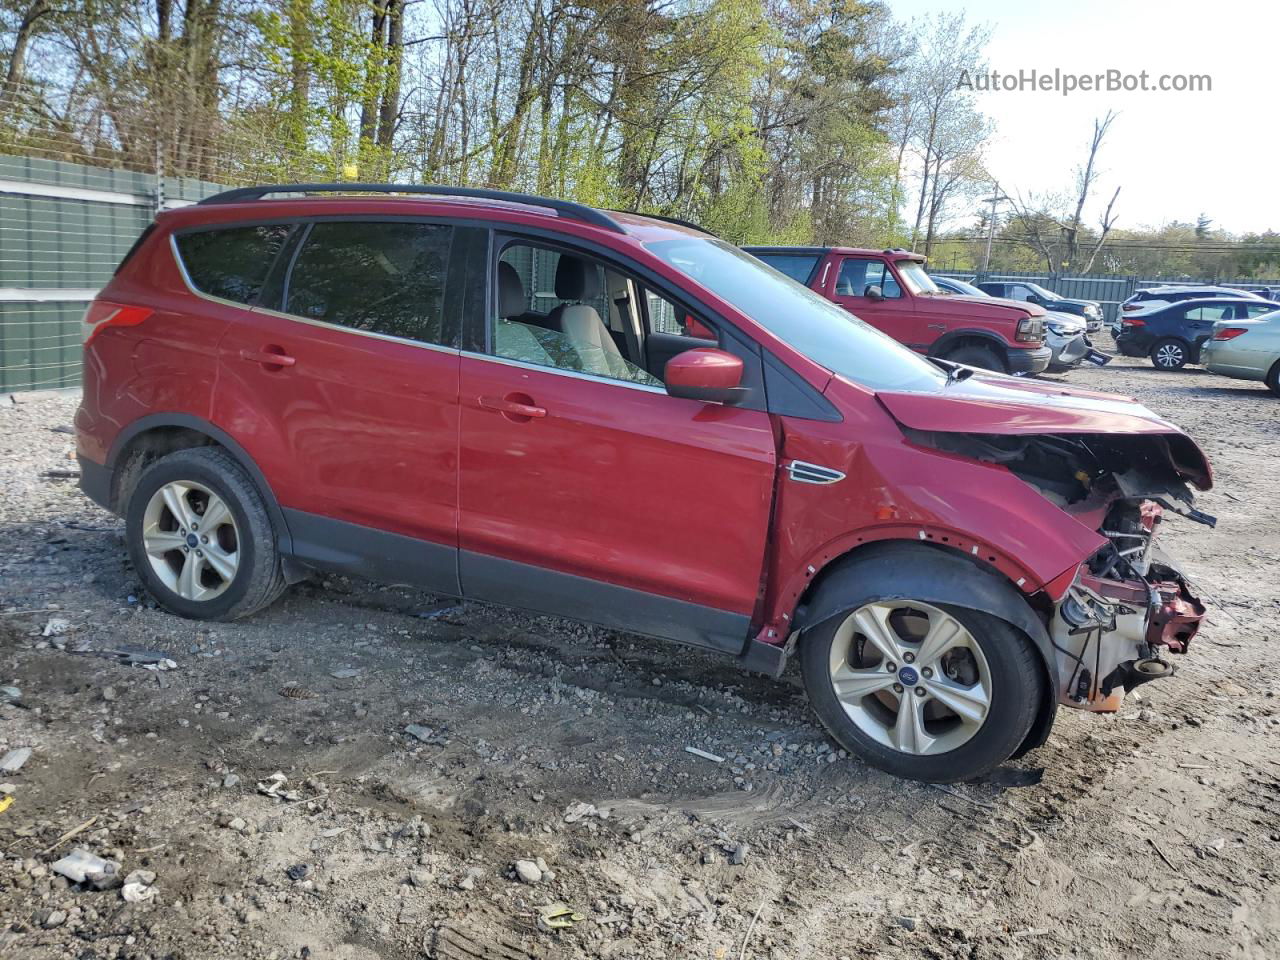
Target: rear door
(343,386)
(1198,321)
(893,312)
(587,491)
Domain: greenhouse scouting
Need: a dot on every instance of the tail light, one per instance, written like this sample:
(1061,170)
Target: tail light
(1133,322)
(103,313)
(1229,333)
(1129,306)
(1030,330)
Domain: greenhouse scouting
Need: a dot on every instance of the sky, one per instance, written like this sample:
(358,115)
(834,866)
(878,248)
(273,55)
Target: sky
(1174,155)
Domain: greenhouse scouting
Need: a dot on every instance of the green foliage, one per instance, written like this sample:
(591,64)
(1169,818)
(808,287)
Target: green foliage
(764,119)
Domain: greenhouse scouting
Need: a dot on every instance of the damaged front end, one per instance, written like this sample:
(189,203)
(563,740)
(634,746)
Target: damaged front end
(1127,608)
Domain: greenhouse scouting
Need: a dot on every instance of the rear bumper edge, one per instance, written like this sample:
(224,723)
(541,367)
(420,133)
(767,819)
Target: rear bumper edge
(95,481)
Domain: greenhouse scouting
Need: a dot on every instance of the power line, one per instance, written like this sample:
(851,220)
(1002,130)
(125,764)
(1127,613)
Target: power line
(1216,246)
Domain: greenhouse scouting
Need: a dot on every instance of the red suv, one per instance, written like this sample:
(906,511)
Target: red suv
(890,290)
(629,422)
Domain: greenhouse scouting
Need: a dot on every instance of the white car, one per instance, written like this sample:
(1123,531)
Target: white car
(1153,298)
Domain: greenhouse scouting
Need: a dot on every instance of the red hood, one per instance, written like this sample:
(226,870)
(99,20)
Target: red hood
(1007,405)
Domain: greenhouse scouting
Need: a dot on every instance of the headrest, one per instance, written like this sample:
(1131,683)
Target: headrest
(511,298)
(576,279)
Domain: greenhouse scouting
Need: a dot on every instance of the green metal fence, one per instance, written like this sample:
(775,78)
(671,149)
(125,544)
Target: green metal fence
(63,229)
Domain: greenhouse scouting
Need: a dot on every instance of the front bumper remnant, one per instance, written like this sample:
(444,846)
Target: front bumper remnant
(1111,635)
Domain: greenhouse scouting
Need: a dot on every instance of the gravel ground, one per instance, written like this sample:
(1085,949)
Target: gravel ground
(267,787)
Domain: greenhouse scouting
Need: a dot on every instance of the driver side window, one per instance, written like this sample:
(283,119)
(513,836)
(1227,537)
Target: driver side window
(857,274)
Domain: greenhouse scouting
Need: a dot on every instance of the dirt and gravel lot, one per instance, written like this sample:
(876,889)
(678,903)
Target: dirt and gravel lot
(268,783)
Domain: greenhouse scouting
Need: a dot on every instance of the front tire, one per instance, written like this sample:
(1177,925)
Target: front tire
(1169,354)
(200,537)
(922,691)
(1273,378)
(975,356)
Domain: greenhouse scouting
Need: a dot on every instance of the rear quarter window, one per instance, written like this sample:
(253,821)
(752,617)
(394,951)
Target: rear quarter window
(231,263)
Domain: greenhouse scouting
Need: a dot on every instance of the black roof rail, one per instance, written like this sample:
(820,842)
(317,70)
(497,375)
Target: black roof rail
(566,208)
(676,220)
(784,248)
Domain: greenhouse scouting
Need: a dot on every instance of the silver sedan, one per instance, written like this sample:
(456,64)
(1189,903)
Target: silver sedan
(1246,350)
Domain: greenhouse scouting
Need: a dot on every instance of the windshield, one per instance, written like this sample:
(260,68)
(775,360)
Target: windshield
(915,278)
(1041,291)
(816,327)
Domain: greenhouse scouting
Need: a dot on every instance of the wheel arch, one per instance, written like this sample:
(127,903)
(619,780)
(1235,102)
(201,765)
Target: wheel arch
(155,435)
(935,573)
(969,336)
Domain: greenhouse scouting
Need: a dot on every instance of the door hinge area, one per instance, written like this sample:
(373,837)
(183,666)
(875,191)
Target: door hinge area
(802,472)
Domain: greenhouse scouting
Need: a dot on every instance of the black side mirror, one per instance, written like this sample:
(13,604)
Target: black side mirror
(873,292)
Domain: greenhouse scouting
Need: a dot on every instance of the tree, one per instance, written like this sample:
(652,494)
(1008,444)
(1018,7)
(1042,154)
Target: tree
(1053,224)
(939,126)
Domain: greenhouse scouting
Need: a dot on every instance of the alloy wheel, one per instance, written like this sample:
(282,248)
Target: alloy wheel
(191,540)
(910,676)
(1170,356)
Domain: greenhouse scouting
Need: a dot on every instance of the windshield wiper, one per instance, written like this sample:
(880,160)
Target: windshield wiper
(954,371)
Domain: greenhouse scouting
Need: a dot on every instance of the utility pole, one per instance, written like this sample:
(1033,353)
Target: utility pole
(991,229)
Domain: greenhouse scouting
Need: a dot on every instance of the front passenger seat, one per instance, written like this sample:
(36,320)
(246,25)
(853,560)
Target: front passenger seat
(577,279)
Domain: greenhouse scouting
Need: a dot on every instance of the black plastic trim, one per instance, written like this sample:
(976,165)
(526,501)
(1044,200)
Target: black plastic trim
(911,571)
(95,481)
(529,587)
(790,396)
(187,421)
(565,208)
(665,219)
(761,657)
(350,548)
(944,342)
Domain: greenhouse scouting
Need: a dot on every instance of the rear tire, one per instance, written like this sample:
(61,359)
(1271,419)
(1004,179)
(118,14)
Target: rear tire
(1169,354)
(1273,378)
(975,356)
(987,660)
(200,537)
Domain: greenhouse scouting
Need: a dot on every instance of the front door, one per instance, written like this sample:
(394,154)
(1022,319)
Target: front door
(893,311)
(346,395)
(585,489)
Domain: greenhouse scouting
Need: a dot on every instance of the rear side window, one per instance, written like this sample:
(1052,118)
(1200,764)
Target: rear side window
(231,263)
(798,267)
(379,277)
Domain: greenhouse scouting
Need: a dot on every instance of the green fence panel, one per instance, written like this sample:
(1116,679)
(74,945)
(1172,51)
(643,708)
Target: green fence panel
(39,345)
